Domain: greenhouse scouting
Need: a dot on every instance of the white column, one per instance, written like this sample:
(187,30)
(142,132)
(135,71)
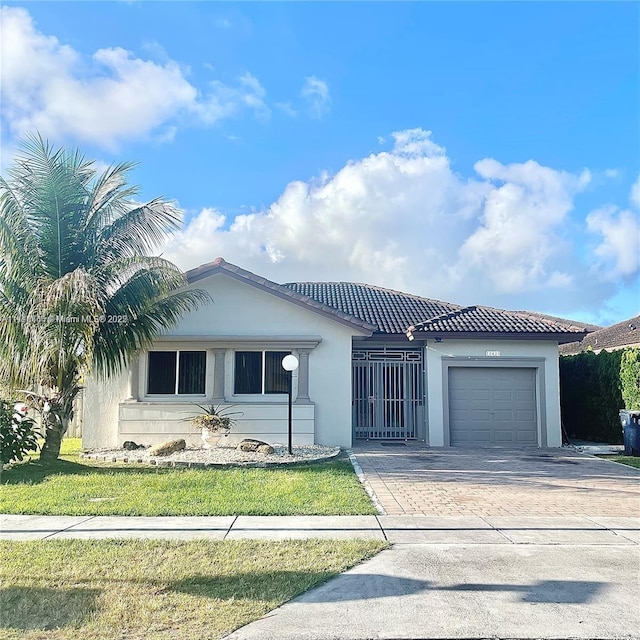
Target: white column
(134,376)
(218,374)
(303,377)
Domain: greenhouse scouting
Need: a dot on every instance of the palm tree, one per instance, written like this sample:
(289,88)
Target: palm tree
(74,254)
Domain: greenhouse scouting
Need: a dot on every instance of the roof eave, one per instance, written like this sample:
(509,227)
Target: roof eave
(559,337)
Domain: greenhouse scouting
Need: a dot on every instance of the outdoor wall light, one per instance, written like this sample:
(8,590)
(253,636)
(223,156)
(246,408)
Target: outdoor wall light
(290,364)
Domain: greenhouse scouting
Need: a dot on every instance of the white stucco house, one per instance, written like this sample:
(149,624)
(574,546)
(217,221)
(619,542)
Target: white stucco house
(373,363)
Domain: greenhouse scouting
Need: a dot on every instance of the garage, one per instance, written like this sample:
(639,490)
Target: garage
(492,406)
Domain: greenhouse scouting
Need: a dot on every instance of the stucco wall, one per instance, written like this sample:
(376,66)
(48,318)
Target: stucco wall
(239,312)
(548,391)
(153,422)
(100,410)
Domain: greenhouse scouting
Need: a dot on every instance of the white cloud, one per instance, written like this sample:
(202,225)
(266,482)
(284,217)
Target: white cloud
(112,96)
(517,238)
(618,252)
(316,93)
(404,219)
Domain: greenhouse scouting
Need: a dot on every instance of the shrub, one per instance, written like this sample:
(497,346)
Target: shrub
(18,435)
(630,378)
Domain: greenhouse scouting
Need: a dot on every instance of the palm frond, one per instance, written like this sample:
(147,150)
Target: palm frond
(74,253)
(18,245)
(138,231)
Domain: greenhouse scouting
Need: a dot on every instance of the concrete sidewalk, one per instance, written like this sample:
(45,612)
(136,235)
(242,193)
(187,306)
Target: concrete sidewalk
(463,577)
(468,530)
(469,592)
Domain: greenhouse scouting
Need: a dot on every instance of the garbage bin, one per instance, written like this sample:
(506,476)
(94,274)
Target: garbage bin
(631,431)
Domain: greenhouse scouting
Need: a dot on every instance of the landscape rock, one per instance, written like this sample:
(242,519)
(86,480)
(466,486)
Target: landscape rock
(130,445)
(248,444)
(167,447)
(265,448)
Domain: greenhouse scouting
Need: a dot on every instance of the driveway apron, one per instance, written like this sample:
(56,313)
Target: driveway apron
(488,543)
(417,480)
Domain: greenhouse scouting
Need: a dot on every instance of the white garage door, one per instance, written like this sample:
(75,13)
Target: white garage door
(492,406)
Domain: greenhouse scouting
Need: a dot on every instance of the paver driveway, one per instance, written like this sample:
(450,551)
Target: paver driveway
(419,480)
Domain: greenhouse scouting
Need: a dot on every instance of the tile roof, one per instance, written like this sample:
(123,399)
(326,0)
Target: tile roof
(378,310)
(544,316)
(390,311)
(477,319)
(393,312)
(617,336)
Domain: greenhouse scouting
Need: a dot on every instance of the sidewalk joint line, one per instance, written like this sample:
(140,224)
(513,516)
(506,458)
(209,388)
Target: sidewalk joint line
(605,528)
(384,533)
(495,528)
(235,518)
(55,533)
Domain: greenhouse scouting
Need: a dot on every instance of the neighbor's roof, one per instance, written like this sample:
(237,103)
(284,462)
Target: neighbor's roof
(617,336)
(393,312)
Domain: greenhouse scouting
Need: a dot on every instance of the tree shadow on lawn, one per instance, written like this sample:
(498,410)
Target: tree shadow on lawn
(45,608)
(35,472)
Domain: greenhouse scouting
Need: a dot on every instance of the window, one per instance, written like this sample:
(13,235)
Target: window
(176,372)
(260,372)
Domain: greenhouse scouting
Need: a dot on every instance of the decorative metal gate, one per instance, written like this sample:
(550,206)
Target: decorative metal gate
(387,393)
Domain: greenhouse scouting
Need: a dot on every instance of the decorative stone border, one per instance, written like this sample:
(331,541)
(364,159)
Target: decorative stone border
(159,462)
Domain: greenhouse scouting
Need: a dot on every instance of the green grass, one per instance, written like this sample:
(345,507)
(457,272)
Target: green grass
(74,486)
(631,461)
(114,589)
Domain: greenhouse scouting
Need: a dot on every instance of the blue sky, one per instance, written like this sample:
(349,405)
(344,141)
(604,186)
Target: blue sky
(479,153)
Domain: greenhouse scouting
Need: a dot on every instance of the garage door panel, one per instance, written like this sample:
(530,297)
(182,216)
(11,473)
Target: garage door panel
(492,406)
(479,435)
(459,394)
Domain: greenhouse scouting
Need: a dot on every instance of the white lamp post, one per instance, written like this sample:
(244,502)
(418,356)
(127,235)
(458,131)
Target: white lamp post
(290,364)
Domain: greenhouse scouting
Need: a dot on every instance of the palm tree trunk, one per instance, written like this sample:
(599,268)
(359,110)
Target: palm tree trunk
(56,423)
(52,443)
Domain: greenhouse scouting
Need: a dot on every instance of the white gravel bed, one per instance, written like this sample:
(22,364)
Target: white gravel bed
(217,456)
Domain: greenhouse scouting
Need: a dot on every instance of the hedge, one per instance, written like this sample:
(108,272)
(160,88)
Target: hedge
(590,396)
(630,378)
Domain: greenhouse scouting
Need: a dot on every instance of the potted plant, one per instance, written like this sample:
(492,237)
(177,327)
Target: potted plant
(213,423)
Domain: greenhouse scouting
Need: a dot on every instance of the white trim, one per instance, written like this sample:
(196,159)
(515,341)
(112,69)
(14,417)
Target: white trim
(271,343)
(144,374)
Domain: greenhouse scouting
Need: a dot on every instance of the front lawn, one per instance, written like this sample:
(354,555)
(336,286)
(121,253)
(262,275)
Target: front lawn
(631,461)
(74,486)
(114,589)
